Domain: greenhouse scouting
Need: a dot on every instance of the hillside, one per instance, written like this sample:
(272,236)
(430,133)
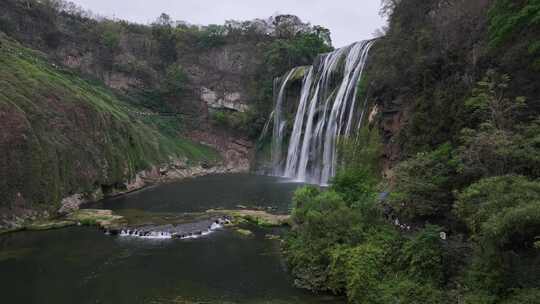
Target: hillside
(82,94)
(206,72)
(63,135)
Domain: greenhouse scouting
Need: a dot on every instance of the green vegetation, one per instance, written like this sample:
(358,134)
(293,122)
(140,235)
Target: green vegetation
(163,66)
(232,120)
(244,232)
(457,137)
(257,217)
(350,248)
(461,221)
(424,184)
(67,135)
(516,22)
(102,218)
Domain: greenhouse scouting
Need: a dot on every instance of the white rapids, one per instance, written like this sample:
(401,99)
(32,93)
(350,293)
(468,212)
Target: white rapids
(173,232)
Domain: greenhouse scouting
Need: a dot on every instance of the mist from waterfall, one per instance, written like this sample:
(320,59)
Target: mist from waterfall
(327,110)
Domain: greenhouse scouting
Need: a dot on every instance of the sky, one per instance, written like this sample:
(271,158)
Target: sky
(348,20)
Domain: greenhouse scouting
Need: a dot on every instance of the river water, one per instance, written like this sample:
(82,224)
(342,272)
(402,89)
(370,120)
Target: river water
(82,265)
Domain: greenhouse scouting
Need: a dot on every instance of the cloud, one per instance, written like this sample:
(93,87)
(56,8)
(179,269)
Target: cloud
(348,20)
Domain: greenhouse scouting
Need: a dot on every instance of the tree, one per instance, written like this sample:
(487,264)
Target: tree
(323,34)
(490,103)
(489,196)
(175,82)
(163,33)
(388,7)
(424,184)
(503,215)
(163,20)
(287,26)
(423,256)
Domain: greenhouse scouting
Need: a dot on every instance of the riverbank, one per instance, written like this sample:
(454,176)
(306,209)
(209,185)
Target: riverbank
(35,219)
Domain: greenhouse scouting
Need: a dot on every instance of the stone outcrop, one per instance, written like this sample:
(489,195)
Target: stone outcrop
(237,153)
(228,101)
(258,217)
(392,119)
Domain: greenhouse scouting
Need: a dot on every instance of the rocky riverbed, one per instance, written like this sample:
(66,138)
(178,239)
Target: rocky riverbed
(140,224)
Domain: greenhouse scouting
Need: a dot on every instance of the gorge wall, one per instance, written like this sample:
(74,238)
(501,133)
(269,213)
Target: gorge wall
(61,135)
(90,105)
(429,61)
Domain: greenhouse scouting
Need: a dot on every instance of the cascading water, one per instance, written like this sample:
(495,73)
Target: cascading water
(326,111)
(279,124)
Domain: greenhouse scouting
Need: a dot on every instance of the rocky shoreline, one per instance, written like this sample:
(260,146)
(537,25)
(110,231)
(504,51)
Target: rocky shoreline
(50,219)
(194,226)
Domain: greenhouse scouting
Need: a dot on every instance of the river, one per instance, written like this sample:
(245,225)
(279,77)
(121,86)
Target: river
(83,265)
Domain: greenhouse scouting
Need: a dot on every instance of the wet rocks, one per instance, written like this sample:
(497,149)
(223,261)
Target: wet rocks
(104,219)
(21,220)
(49,224)
(258,217)
(101,218)
(191,230)
(74,202)
(244,232)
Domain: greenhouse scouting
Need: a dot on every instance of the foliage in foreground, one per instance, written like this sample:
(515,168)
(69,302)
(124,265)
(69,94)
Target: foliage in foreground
(468,215)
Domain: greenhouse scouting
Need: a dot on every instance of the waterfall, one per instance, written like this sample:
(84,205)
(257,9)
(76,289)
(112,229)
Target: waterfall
(293,151)
(279,123)
(327,110)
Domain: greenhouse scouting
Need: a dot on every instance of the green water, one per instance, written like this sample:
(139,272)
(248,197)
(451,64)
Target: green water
(82,265)
(208,192)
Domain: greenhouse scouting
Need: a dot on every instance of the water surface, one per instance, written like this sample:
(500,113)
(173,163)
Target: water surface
(214,191)
(82,265)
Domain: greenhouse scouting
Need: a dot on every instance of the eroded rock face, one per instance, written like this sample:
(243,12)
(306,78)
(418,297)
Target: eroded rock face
(227,101)
(237,153)
(393,118)
(71,203)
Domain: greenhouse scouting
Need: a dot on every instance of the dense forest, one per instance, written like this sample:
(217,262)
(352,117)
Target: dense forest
(438,199)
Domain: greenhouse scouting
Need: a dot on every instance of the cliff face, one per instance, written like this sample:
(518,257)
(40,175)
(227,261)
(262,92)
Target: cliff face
(430,60)
(422,70)
(61,135)
(218,73)
(224,76)
(161,67)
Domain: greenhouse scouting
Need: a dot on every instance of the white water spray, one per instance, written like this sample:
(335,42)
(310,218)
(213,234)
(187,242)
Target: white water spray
(326,112)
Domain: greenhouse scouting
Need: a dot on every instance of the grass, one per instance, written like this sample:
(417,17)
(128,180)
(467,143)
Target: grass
(66,134)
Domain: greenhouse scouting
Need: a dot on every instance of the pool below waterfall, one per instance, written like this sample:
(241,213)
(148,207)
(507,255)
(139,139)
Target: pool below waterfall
(83,265)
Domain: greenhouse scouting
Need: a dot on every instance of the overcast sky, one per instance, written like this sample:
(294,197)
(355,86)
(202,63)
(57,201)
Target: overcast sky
(349,20)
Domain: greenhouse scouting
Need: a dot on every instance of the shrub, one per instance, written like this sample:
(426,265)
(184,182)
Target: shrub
(423,256)
(503,214)
(175,81)
(364,274)
(424,184)
(405,291)
(490,196)
(524,296)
